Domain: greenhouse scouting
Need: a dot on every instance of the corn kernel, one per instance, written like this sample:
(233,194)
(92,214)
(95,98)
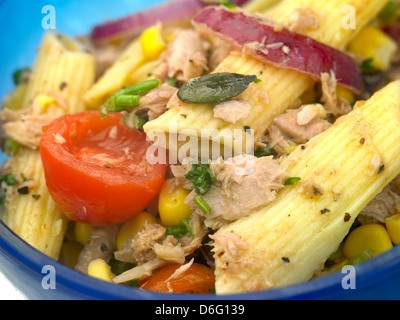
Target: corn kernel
(133,226)
(171,205)
(345,94)
(152,42)
(82,232)
(373,237)
(373,43)
(99,269)
(393,228)
(69,253)
(44,101)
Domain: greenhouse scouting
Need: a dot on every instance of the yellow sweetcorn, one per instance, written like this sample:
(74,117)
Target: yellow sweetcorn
(152,42)
(82,232)
(373,43)
(69,253)
(373,237)
(345,94)
(393,228)
(171,205)
(44,101)
(133,226)
(99,269)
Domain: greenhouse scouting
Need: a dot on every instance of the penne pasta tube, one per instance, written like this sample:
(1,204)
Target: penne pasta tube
(341,171)
(116,76)
(61,75)
(279,89)
(62,71)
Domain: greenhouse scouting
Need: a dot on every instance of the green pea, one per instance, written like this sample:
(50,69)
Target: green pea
(214,88)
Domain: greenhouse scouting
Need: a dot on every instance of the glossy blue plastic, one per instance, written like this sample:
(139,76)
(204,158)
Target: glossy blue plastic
(25,267)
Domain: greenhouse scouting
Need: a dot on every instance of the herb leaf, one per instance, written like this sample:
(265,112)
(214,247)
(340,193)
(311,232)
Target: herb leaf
(291,181)
(201,177)
(367,66)
(127,98)
(214,88)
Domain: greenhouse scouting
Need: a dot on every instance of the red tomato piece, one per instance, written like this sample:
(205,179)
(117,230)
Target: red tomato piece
(197,279)
(96,169)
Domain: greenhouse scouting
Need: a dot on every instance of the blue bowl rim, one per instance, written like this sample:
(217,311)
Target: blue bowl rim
(369,273)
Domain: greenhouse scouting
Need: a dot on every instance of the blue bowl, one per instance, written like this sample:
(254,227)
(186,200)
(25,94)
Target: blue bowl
(28,269)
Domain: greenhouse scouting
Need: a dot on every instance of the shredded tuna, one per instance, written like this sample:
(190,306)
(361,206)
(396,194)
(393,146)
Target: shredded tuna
(219,51)
(376,163)
(296,127)
(181,270)
(154,103)
(185,57)
(310,188)
(23,127)
(242,184)
(336,106)
(384,205)
(303,19)
(152,248)
(232,111)
(229,249)
(101,244)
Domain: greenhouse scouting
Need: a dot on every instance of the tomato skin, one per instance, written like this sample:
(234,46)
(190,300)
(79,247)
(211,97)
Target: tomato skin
(87,188)
(198,279)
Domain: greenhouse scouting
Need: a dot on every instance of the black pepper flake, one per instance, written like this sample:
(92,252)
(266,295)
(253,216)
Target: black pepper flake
(23,190)
(347,217)
(317,191)
(107,167)
(191,61)
(285,259)
(103,247)
(36,196)
(246,129)
(323,211)
(183,115)
(362,141)
(381,169)
(303,147)
(63,85)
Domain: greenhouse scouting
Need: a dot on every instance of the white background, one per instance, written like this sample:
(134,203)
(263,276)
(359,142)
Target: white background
(8,291)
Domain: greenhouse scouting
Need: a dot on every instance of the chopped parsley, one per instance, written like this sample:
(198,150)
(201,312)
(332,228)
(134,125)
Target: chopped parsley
(291,181)
(201,177)
(263,152)
(389,12)
(9,179)
(367,66)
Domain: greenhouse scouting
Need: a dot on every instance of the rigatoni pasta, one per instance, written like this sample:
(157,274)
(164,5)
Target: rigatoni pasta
(277,142)
(279,89)
(341,171)
(62,74)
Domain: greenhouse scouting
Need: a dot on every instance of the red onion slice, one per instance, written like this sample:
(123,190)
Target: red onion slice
(279,46)
(168,12)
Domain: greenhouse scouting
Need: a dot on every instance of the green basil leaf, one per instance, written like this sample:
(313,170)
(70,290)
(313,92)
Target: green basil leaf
(214,88)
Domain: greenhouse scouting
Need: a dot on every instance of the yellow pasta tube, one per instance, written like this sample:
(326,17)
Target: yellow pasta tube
(62,71)
(116,76)
(61,75)
(32,214)
(278,89)
(341,171)
(259,5)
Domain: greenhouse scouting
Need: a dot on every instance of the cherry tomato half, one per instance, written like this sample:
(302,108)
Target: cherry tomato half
(96,169)
(198,278)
